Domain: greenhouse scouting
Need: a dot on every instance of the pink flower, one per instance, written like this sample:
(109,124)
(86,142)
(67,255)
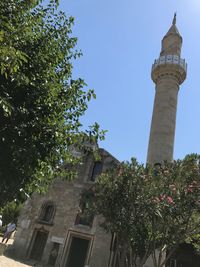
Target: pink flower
(170,200)
(162,197)
(190,189)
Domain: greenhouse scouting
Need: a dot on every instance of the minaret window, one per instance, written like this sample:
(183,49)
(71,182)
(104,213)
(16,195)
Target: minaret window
(97,170)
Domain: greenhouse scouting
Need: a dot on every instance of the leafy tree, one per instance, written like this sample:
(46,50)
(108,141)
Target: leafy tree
(40,102)
(148,210)
(10,212)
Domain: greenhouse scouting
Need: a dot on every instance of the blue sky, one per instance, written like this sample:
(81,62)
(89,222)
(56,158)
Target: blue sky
(120,40)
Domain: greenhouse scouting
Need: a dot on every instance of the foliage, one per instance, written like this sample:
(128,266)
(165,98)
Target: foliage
(40,103)
(195,242)
(10,213)
(149,210)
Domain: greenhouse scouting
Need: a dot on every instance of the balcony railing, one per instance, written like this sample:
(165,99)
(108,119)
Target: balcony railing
(170,59)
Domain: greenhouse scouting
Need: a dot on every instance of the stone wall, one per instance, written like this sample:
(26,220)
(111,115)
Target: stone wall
(65,196)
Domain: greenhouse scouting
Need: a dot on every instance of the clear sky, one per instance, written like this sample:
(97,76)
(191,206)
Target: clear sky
(120,40)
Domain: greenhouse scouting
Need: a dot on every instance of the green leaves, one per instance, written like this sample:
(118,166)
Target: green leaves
(150,209)
(40,102)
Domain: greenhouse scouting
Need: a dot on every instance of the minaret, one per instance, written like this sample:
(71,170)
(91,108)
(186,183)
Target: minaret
(168,72)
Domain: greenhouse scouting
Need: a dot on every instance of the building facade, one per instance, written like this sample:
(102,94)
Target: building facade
(53,229)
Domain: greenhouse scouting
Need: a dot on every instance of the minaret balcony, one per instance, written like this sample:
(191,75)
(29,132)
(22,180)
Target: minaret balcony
(169,64)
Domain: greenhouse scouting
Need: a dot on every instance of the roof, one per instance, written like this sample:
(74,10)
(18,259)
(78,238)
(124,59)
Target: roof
(173,29)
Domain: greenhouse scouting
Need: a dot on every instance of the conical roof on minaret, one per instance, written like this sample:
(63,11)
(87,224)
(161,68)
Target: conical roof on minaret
(172,41)
(173,29)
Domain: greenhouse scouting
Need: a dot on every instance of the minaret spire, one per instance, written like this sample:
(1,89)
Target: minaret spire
(168,72)
(174,19)
(172,41)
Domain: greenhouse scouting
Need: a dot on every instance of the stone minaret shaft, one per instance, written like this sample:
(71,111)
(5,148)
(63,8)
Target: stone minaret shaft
(168,72)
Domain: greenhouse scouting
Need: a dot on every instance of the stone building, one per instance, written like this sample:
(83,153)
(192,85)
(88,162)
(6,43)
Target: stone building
(52,229)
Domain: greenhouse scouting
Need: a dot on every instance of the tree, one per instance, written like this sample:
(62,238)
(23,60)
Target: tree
(40,102)
(148,210)
(10,213)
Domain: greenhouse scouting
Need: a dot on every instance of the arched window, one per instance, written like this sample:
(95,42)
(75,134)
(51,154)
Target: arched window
(47,212)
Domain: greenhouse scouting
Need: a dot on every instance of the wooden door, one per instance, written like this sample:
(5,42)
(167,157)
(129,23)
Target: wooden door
(40,239)
(77,252)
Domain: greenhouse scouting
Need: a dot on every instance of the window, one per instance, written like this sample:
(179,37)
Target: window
(47,213)
(97,170)
(84,217)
